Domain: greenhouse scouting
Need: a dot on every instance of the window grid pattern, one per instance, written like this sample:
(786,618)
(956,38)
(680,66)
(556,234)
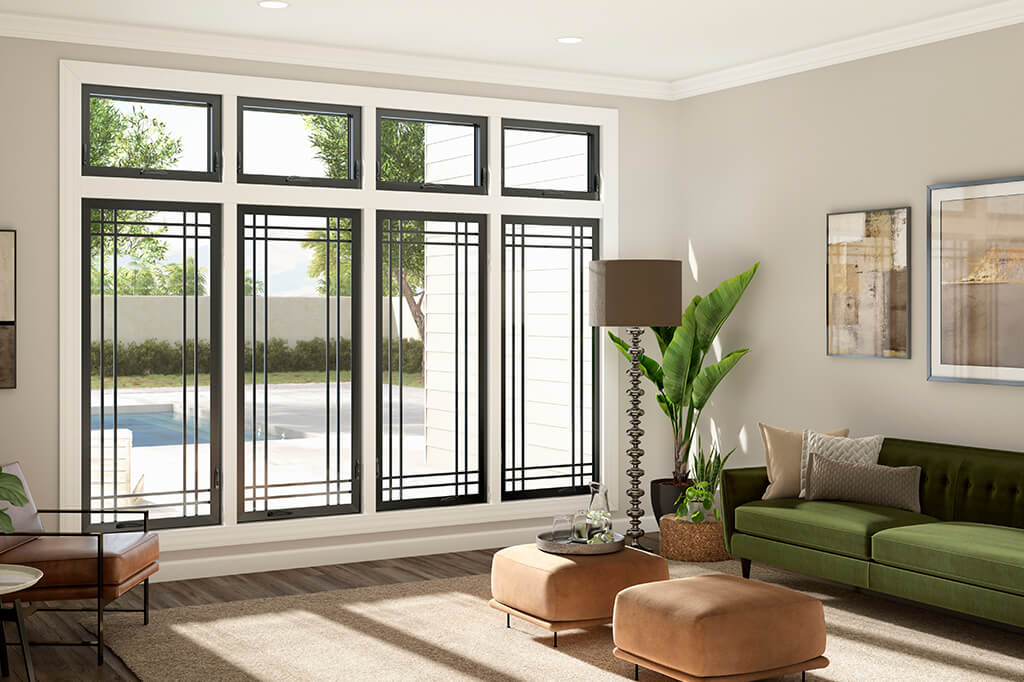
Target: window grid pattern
(109,225)
(549,357)
(337,490)
(460,241)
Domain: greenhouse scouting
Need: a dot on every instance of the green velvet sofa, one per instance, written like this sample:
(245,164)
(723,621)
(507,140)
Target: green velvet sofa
(964,551)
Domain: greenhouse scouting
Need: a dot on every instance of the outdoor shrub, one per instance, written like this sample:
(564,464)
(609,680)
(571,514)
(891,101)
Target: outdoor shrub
(412,356)
(149,357)
(164,357)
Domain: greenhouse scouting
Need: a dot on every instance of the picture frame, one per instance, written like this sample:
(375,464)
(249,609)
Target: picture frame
(867,280)
(8,308)
(976,281)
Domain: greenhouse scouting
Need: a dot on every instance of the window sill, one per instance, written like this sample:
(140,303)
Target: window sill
(182,539)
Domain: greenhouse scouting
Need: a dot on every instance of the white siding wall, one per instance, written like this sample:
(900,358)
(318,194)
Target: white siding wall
(552,161)
(440,358)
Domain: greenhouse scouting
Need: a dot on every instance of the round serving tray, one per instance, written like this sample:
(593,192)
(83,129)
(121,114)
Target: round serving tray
(546,544)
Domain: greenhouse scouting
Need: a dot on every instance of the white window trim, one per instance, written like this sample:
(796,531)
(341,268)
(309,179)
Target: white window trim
(74,187)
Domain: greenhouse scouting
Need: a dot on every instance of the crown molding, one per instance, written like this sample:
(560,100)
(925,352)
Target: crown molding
(305,54)
(870,45)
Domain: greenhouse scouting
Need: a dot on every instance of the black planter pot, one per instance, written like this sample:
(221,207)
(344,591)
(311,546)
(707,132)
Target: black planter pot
(664,492)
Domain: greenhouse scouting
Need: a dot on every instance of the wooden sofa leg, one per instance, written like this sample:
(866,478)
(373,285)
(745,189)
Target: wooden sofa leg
(145,602)
(745,567)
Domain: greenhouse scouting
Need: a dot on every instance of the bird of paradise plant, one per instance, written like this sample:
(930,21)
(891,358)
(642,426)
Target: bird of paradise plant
(684,384)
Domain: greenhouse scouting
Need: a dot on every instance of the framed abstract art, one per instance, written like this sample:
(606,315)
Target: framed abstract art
(976,281)
(868,285)
(8,335)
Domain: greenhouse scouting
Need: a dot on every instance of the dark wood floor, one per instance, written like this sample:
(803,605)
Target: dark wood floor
(79,663)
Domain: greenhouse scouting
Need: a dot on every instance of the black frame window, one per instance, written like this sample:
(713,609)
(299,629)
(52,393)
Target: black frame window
(151,130)
(293,464)
(451,306)
(326,115)
(550,430)
(554,129)
(410,163)
(153,252)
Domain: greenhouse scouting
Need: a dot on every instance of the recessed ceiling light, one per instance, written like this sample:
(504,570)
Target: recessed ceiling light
(273,4)
(570,40)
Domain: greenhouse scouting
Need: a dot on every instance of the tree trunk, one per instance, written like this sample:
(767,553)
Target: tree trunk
(682,459)
(415,307)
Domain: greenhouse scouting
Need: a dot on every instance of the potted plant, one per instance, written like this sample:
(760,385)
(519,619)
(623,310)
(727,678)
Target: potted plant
(683,383)
(694,532)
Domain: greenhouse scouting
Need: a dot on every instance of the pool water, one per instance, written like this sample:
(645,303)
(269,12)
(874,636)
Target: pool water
(155,428)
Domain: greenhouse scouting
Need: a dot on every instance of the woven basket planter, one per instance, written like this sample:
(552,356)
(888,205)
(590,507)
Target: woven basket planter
(685,541)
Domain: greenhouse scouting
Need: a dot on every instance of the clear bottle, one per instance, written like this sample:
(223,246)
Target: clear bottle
(599,514)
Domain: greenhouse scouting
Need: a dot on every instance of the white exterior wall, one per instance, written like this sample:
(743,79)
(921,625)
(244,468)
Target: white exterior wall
(549,385)
(536,159)
(440,358)
(292,318)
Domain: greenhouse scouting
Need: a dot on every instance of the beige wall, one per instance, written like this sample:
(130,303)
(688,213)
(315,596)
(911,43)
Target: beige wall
(28,202)
(757,169)
(747,174)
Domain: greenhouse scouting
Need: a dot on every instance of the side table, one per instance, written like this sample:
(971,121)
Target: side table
(15,579)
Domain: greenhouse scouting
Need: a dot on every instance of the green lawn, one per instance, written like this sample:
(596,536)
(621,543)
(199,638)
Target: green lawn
(304,377)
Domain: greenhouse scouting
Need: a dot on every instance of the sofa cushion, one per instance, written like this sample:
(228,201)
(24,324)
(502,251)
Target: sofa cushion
(840,527)
(975,553)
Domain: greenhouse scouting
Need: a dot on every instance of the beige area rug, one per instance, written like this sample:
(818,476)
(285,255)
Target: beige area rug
(444,630)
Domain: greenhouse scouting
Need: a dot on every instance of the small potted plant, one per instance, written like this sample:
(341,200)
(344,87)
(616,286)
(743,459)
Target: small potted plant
(694,532)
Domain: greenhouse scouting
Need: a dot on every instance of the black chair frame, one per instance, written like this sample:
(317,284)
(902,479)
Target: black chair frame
(101,603)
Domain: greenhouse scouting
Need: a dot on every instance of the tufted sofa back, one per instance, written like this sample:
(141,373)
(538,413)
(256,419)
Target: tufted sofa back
(960,483)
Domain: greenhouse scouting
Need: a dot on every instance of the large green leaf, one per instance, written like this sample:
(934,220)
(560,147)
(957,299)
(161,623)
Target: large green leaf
(664,335)
(706,382)
(668,408)
(12,490)
(649,366)
(716,307)
(679,356)
(6,525)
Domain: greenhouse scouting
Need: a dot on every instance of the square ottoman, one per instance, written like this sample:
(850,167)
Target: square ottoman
(719,627)
(561,592)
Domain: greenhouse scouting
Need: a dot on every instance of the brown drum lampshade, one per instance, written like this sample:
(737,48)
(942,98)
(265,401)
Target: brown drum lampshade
(636,293)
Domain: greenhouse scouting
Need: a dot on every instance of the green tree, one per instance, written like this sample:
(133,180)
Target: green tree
(402,158)
(248,287)
(155,280)
(132,140)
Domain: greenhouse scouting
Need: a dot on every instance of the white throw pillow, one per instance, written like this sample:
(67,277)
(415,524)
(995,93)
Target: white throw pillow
(854,450)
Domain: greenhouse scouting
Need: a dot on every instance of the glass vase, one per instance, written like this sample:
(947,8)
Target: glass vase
(599,515)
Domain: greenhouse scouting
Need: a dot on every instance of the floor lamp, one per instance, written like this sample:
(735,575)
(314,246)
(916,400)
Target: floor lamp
(635,294)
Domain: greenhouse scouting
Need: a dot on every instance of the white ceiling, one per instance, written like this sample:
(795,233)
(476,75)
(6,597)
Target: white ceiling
(653,40)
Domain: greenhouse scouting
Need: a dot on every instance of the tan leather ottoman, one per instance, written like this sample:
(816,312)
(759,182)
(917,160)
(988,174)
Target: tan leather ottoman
(719,628)
(560,592)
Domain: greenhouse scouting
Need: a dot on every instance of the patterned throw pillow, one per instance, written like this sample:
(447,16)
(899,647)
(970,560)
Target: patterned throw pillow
(829,479)
(856,450)
(782,460)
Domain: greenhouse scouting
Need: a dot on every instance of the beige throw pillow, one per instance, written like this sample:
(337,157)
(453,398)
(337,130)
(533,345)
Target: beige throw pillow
(782,451)
(830,479)
(856,450)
